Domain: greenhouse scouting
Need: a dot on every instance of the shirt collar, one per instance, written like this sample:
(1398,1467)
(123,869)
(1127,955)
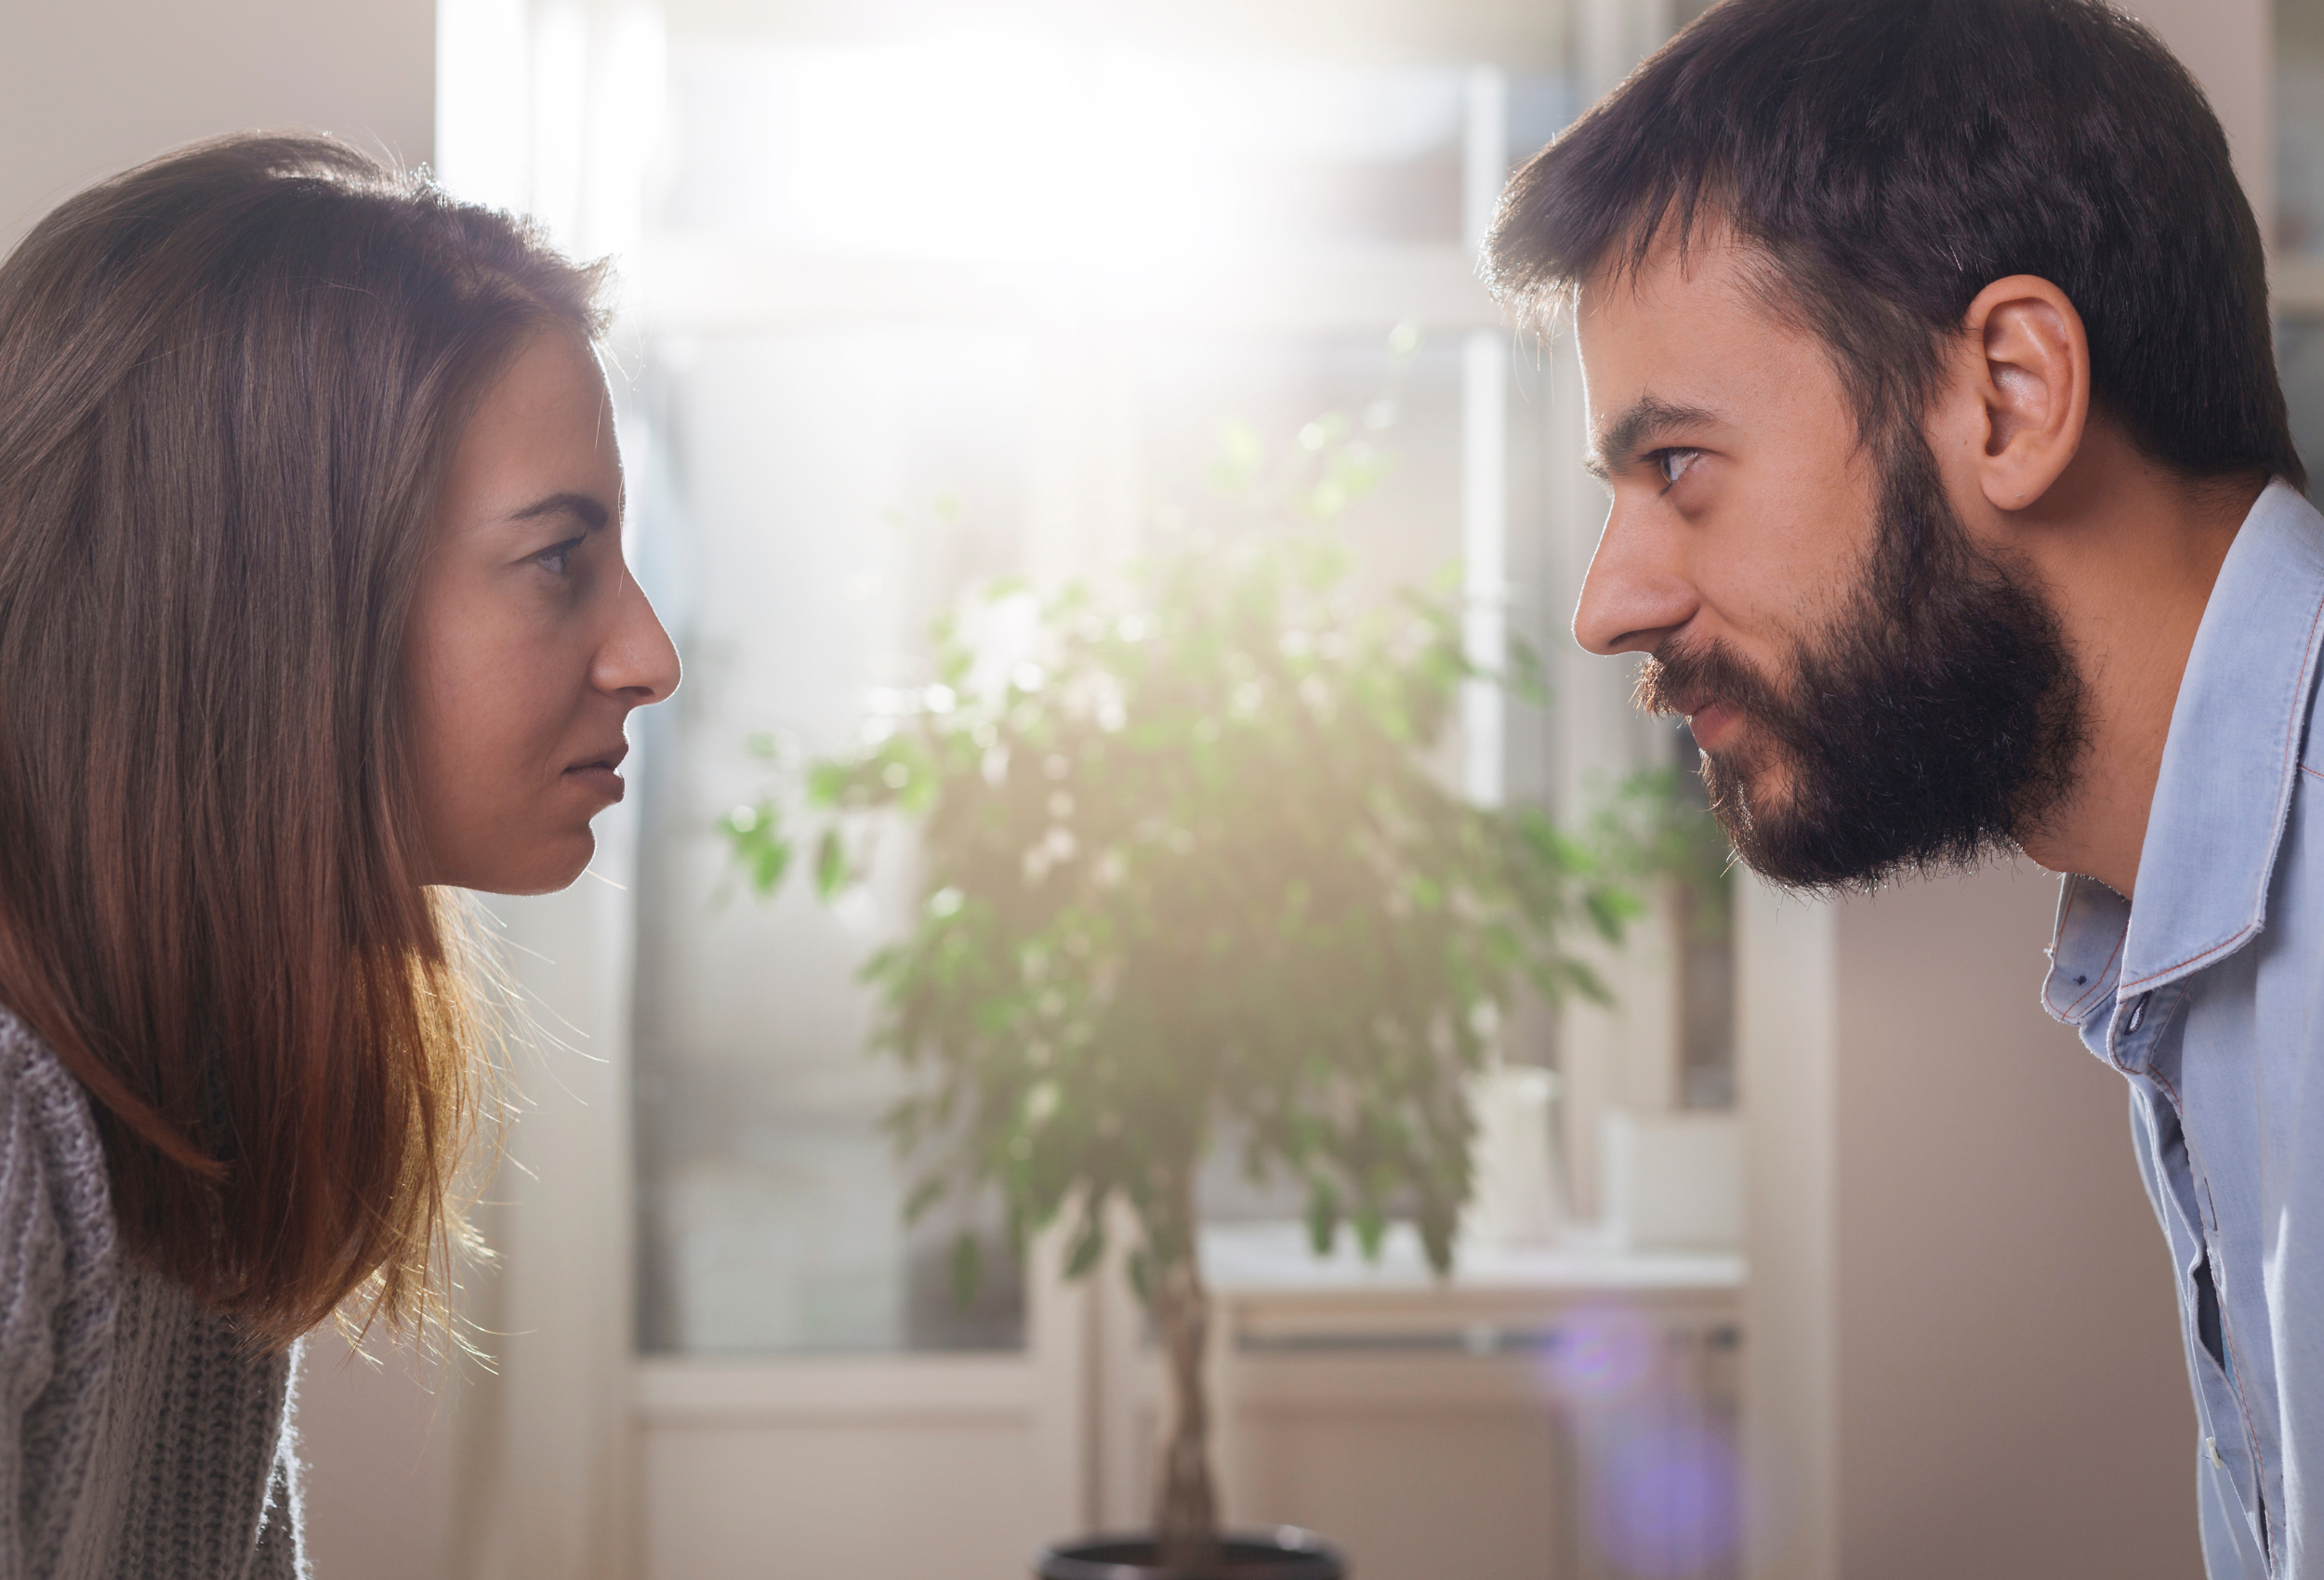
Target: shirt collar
(2086,949)
(2228,766)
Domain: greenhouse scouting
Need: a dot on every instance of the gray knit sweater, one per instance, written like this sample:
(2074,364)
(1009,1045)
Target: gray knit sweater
(140,1439)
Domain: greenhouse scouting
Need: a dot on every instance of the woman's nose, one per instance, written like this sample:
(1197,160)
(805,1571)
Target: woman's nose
(638,658)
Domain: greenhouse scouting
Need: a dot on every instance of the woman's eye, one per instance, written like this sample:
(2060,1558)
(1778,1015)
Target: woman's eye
(558,557)
(1672,463)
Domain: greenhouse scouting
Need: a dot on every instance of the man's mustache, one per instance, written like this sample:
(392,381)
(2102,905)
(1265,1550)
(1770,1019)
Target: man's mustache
(1683,678)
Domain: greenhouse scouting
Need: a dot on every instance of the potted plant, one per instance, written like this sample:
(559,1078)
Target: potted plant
(1188,861)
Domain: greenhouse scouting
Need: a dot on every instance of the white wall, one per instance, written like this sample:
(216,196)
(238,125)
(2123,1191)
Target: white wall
(2013,1396)
(94,86)
(375,1438)
(1962,1352)
(2230,44)
(1992,1336)
(91,86)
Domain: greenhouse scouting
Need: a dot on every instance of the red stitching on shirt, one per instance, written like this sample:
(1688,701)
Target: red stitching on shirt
(2190,960)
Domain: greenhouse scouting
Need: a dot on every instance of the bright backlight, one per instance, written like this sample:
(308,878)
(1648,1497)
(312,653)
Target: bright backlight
(1021,149)
(951,151)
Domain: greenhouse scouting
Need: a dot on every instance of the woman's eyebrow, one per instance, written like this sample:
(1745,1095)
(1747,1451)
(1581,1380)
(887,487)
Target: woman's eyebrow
(591,510)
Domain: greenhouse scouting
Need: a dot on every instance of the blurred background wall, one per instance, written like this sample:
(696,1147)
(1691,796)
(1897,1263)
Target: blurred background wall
(1962,1356)
(88,89)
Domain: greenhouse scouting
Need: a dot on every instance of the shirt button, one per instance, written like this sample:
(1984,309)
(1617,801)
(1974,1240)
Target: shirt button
(2210,1446)
(2138,1013)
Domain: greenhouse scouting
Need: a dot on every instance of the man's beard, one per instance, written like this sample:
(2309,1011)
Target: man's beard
(1940,718)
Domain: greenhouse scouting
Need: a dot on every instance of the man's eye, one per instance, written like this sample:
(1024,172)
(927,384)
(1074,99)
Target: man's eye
(1672,463)
(559,556)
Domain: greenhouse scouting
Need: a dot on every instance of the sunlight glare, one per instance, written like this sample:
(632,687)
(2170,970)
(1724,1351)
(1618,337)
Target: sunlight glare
(943,149)
(1188,142)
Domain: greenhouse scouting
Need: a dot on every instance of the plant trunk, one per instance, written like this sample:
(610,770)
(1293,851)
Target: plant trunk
(1186,1506)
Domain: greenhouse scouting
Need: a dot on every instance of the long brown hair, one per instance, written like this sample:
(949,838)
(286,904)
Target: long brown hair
(231,382)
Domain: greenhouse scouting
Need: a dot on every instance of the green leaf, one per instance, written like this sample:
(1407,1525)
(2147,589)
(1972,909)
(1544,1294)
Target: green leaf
(1088,1248)
(1322,1217)
(769,862)
(830,864)
(926,1195)
(1240,458)
(756,843)
(1436,1241)
(968,1268)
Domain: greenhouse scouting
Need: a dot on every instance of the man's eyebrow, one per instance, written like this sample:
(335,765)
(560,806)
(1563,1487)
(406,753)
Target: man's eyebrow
(1617,443)
(591,510)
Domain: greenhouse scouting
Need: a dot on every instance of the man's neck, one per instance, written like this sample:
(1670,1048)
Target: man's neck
(2128,554)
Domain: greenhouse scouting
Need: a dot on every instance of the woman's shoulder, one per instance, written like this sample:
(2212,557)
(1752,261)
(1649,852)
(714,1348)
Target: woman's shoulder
(56,1210)
(42,1102)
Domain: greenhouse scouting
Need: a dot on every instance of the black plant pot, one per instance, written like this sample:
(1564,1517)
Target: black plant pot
(1284,1553)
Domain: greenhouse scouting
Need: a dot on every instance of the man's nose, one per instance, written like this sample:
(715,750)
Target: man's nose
(1636,593)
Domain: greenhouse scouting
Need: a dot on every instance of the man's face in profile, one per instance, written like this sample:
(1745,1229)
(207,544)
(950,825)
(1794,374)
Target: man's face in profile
(1873,690)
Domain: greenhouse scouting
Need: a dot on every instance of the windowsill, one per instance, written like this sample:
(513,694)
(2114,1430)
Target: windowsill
(1274,1258)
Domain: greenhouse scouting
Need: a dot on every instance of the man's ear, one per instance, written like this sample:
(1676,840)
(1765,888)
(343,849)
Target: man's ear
(2025,363)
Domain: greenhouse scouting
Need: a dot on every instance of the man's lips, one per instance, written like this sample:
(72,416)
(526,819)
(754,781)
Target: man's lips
(1712,720)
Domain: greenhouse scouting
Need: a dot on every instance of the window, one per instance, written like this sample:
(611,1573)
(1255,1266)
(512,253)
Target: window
(904,309)
(918,314)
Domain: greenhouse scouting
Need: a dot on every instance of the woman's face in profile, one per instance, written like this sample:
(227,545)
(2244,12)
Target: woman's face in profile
(529,642)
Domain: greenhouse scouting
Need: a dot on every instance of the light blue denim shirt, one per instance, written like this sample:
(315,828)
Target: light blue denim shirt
(2209,995)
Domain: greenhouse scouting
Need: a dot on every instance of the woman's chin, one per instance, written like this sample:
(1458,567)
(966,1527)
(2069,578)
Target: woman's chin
(565,869)
(552,866)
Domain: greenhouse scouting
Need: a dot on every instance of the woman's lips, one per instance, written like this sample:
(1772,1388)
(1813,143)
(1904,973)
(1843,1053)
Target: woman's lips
(599,778)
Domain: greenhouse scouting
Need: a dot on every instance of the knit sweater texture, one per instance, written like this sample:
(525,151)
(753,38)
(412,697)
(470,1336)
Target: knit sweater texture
(141,1436)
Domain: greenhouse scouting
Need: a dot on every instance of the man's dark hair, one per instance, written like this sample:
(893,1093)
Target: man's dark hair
(1892,158)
